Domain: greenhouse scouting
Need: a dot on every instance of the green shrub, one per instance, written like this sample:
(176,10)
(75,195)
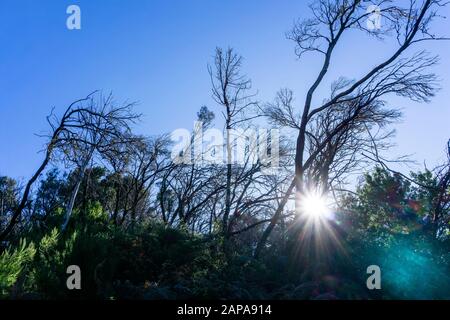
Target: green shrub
(13,263)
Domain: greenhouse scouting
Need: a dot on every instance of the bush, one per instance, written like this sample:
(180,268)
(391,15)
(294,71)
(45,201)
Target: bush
(13,264)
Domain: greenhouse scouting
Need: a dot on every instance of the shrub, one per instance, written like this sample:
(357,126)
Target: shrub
(13,263)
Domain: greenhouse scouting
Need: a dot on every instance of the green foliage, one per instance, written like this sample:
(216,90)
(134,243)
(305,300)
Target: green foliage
(49,264)
(87,248)
(383,224)
(388,204)
(13,263)
(413,266)
(157,253)
(387,226)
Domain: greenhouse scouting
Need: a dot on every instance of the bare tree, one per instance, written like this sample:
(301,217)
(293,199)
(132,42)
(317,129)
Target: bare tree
(148,162)
(403,76)
(90,125)
(230,90)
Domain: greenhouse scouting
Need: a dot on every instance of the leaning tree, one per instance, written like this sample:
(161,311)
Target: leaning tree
(90,126)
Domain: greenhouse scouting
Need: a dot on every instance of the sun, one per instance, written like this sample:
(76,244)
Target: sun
(314,205)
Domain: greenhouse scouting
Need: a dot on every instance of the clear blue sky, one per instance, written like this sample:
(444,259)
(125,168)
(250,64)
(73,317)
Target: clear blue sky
(156,52)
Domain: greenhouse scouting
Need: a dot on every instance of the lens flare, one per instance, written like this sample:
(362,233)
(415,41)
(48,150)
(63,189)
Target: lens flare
(318,236)
(315,205)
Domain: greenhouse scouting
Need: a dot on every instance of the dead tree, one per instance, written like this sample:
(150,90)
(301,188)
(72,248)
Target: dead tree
(230,89)
(398,74)
(97,127)
(85,127)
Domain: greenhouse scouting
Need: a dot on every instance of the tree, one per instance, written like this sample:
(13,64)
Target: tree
(88,126)
(96,128)
(398,74)
(441,201)
(230,90)
(9,198)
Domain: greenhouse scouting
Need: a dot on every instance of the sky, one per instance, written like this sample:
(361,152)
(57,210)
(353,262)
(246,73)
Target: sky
(156,52)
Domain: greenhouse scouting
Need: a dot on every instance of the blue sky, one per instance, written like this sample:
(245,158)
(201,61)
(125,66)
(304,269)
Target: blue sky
(156,52)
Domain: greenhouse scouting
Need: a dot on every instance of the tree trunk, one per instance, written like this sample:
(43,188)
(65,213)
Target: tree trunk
(226,214)
(23,202)
(73,196)
(262,242)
